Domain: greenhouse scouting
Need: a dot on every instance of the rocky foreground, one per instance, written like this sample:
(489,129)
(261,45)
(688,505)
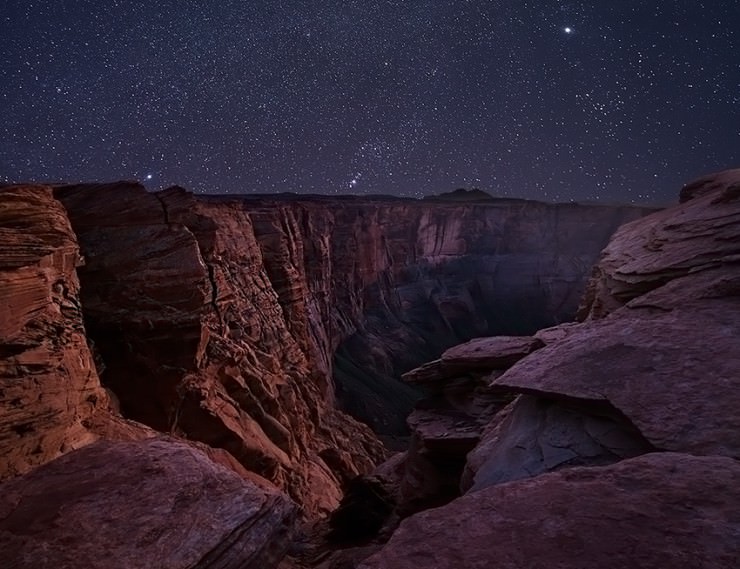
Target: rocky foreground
(610,442)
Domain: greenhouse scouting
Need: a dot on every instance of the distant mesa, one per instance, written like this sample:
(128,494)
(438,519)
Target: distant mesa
(463,195)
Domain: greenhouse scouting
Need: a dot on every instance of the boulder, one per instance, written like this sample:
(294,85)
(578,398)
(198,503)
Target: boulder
(154,503)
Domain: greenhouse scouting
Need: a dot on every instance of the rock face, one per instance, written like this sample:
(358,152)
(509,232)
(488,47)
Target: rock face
(215,319)
(158,503)
(658,510)
(651,367)
(654,357)
(448,424)
(692,239)
(196,342)
(534,435)
(49,390)
(443,273)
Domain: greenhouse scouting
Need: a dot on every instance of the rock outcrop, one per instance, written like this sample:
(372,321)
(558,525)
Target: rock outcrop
(642,392)
(195,341)
(449,423)
(215,319)
(658,510)
(157,503)
(240,324)
(49,389)
(449,272)
(698,238)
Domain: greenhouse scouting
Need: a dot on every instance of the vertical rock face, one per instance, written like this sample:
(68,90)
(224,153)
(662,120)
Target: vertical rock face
(216,319)
(388,284)
(49,389)
(461,271)
(643,391)
(195,341)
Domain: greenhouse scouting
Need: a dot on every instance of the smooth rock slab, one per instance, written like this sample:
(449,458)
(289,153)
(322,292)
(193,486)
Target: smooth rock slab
(672,374)
(478,355)
(155,503)
(495,352)
(657,510)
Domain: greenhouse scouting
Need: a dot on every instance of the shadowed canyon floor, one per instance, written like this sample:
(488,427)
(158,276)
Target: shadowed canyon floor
(206,345)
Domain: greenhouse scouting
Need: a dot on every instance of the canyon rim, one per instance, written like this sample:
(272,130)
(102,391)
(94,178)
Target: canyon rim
(185,380)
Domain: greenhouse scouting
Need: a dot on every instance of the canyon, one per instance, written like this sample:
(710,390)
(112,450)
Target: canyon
(240,358)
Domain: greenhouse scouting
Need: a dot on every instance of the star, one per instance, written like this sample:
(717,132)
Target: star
(321,97)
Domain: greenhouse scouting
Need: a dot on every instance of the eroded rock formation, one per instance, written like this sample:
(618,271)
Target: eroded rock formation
(196,342)
(642,391)
(157,503)
(215,320)
(657,510)
(49,390)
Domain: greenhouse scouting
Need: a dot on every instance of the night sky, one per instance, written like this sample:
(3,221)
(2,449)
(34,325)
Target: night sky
(609,100)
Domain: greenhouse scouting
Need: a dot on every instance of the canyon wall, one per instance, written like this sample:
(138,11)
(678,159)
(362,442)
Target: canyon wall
(216,319)
(609,442)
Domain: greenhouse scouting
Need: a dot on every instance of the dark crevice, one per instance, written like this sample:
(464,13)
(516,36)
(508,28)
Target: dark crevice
(214,289)
(164,208)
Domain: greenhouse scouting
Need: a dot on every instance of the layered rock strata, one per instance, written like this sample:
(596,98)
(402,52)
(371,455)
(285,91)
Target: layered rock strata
(642,391)
(449,423)
(49,389)
(195,341)
(215,319)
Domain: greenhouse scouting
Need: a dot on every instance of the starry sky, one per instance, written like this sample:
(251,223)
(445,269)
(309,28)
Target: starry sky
(607,100)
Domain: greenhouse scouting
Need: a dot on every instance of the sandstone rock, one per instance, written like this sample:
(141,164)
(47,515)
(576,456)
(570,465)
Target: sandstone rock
(189,322)
(497,352)
(698,235)
(156,503)
(710,184)
(49,388)
(672,374)
(653,364)
(537,435)
(444,429)
(442,273)
(658,510)
(478,355)
(555,333)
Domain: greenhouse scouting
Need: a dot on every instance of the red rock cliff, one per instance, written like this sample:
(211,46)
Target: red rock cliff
(49,390)
(216,319)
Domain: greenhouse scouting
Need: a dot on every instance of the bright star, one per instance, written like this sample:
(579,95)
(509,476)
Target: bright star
(568,30)
(149,176)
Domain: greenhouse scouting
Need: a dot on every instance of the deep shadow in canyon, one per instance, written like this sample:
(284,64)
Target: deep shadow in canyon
(471,269)
(216,319)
